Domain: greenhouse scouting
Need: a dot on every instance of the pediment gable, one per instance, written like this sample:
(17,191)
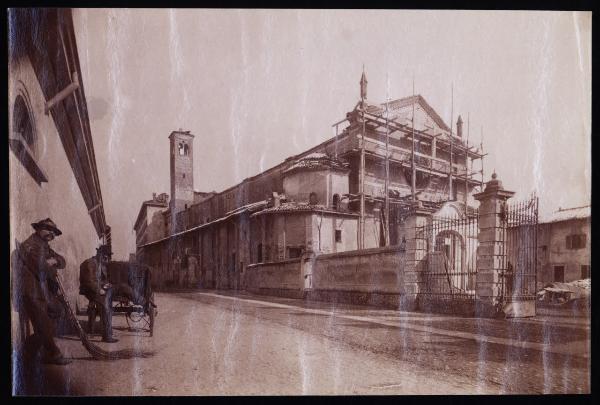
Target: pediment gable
(401,111)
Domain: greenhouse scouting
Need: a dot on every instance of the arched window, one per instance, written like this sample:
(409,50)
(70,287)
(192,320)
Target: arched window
(312,198)
(23,124)
(23,140)
(336,201)
(182,149)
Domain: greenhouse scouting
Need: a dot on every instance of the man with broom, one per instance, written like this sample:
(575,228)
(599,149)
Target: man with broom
(36,267)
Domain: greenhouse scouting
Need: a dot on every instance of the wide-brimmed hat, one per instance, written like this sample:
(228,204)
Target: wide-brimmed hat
(48,225)
(104,250)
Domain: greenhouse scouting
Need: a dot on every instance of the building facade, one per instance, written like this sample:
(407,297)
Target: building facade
(564,240)
(340,195)
(151,221)
(52,167)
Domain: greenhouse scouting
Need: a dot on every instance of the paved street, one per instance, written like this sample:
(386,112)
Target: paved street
(218,343)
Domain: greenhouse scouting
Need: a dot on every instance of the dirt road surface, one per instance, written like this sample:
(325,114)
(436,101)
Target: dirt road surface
(218,343)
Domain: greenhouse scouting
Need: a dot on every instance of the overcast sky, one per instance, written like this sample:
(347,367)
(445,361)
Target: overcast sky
(256,86)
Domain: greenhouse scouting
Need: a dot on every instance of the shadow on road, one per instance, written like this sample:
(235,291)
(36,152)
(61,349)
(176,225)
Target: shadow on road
(32,378)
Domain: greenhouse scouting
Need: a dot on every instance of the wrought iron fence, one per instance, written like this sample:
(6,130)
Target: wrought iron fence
(450,264)
(449,261)
(518,276)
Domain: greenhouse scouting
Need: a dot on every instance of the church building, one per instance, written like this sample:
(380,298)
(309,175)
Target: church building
(347,193)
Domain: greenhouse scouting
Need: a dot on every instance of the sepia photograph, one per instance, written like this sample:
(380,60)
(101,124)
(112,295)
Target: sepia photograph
(270,202)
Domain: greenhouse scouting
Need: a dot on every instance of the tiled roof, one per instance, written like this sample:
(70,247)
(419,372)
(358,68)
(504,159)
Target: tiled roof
(568,214)
(317,161)
(298,207)
(249,207)
(155,203)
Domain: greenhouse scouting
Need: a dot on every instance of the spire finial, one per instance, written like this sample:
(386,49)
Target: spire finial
(363,85)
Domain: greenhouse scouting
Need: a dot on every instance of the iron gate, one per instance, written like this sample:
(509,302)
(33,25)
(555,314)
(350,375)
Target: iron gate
(518,276)
(450,265)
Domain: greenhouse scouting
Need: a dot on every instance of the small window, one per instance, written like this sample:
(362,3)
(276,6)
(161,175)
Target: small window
(559,274)
(585,271)
(312,199)
(184,175)
(338,235)
(294,252)
(259,253)
(336,201)
(574,242)
(181,150)
(185,206)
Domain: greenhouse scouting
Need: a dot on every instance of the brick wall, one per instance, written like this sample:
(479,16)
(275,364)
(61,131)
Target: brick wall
(379,270)
(279,278)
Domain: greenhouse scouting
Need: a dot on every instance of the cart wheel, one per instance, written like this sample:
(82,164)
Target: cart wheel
(137,320)
(153,312)
(152,315)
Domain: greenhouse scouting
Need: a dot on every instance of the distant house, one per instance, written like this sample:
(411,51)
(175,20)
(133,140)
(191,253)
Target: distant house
(148,227)
(564,245)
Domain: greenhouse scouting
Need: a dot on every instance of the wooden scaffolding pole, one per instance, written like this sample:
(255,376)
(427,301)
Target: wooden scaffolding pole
(467,171)
(379,121)
(482,155)
(413,174)
(386,224)
(361,223)
(450,193)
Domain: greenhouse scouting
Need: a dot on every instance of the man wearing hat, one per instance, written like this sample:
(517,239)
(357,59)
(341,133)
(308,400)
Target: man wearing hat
(36,269)
(93,283)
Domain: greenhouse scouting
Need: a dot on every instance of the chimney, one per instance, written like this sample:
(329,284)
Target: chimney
(154,196)
(459,123)
(276,200)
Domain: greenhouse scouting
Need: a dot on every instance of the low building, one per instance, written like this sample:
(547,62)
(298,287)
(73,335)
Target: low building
(564,239)
(150,224)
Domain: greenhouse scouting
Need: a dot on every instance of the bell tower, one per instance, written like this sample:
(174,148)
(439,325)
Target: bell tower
(182,172)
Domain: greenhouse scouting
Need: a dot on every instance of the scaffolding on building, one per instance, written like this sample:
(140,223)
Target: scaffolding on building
(374,120)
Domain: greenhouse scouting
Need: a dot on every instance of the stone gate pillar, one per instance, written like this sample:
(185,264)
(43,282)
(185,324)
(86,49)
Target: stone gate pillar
(415,254)
(491,240)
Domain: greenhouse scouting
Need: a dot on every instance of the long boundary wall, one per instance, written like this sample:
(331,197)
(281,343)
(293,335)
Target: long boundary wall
(281,278)
(371,276)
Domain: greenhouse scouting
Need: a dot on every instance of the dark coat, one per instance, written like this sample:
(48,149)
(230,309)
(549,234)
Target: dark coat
(36,279)
(92,277)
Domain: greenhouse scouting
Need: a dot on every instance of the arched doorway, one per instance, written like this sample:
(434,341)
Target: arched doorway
(450,243)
